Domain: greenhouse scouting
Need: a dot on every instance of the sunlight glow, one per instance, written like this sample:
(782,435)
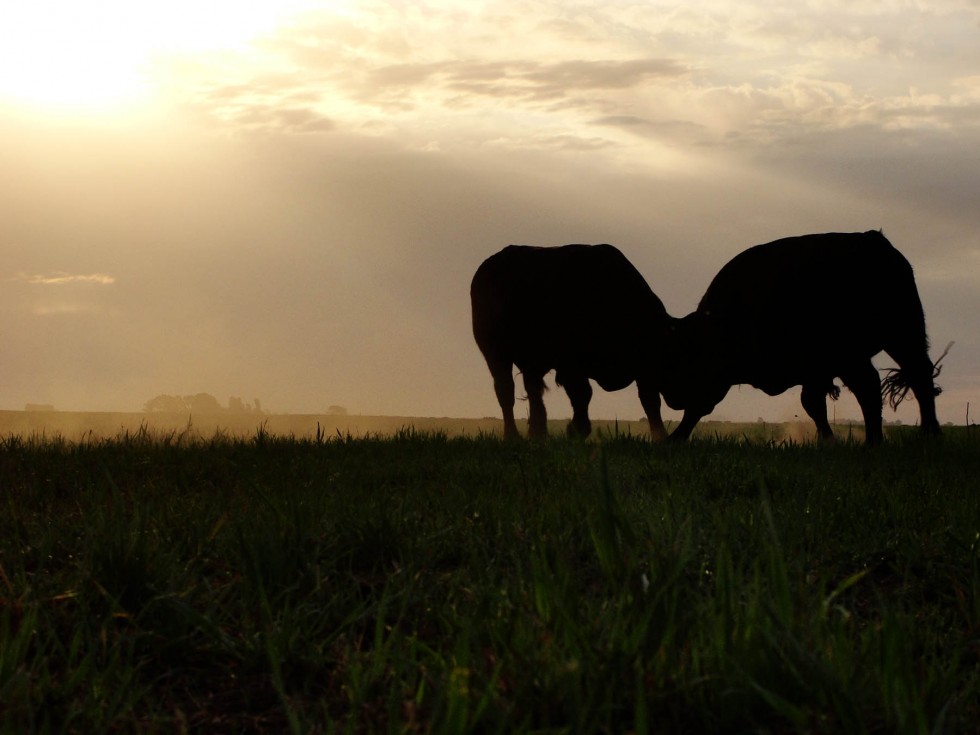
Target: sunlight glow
(77,56)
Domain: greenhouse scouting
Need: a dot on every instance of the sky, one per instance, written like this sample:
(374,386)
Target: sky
(287,200)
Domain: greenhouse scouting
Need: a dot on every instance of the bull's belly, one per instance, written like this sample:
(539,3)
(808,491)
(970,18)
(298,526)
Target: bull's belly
(777,382)
(773,387)
(775,372)
(607,379)
(613,383)
(775,376)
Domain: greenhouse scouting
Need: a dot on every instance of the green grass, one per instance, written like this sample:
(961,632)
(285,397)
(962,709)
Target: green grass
(419,583)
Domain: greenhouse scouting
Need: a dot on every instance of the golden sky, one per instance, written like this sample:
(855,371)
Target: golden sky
(287,200)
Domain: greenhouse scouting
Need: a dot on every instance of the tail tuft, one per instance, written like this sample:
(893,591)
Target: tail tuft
(895,387)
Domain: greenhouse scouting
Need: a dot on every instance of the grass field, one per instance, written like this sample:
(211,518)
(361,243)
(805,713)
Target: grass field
(77,426)
(158,582)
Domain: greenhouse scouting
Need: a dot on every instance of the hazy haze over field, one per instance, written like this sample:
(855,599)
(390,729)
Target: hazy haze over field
(288,200)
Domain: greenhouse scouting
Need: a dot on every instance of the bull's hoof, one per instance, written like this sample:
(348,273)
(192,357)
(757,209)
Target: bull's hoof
(578,429)
(510,431)
(537,432)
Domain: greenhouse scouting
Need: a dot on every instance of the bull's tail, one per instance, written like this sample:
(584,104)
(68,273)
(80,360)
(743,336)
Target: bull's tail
(896,384)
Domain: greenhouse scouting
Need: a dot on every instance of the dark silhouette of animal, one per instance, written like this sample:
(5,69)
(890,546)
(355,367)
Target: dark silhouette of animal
(804,311)
(582,310)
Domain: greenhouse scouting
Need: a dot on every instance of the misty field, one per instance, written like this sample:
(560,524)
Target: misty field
(76,426)
(418,582)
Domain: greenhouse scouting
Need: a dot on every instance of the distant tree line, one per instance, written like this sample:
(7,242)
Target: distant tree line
(200,403)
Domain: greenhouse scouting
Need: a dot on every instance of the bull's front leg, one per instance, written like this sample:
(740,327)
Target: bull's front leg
(579,391)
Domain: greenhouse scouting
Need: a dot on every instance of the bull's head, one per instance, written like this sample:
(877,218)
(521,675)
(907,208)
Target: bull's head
(690,356)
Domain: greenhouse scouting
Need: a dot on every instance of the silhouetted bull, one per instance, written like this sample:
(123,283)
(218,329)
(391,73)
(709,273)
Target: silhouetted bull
(804,311)
(582,310)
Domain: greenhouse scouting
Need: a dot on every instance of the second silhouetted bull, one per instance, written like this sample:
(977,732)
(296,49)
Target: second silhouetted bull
(804,311)
(582,310)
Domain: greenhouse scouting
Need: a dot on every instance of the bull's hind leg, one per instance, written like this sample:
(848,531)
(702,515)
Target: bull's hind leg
(865,383)
(537,422)
(579,391)
(814,400)
(650,400)
(688,421)
(503,385)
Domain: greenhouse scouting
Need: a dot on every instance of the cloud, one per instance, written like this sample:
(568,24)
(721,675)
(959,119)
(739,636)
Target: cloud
(274,118)
(656,129)
(61,279)
(432,88)
(744,76)
(836,47)
(44,310)
(548,81)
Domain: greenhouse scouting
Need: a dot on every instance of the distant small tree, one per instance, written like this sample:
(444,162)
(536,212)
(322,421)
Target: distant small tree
(199,403)
(203,403)
(166,404)
(337,411)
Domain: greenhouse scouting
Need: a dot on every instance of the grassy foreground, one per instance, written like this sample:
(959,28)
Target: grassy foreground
(418,583)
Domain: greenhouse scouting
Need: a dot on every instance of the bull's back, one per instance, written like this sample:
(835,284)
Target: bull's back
(852,285)
(549,304)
